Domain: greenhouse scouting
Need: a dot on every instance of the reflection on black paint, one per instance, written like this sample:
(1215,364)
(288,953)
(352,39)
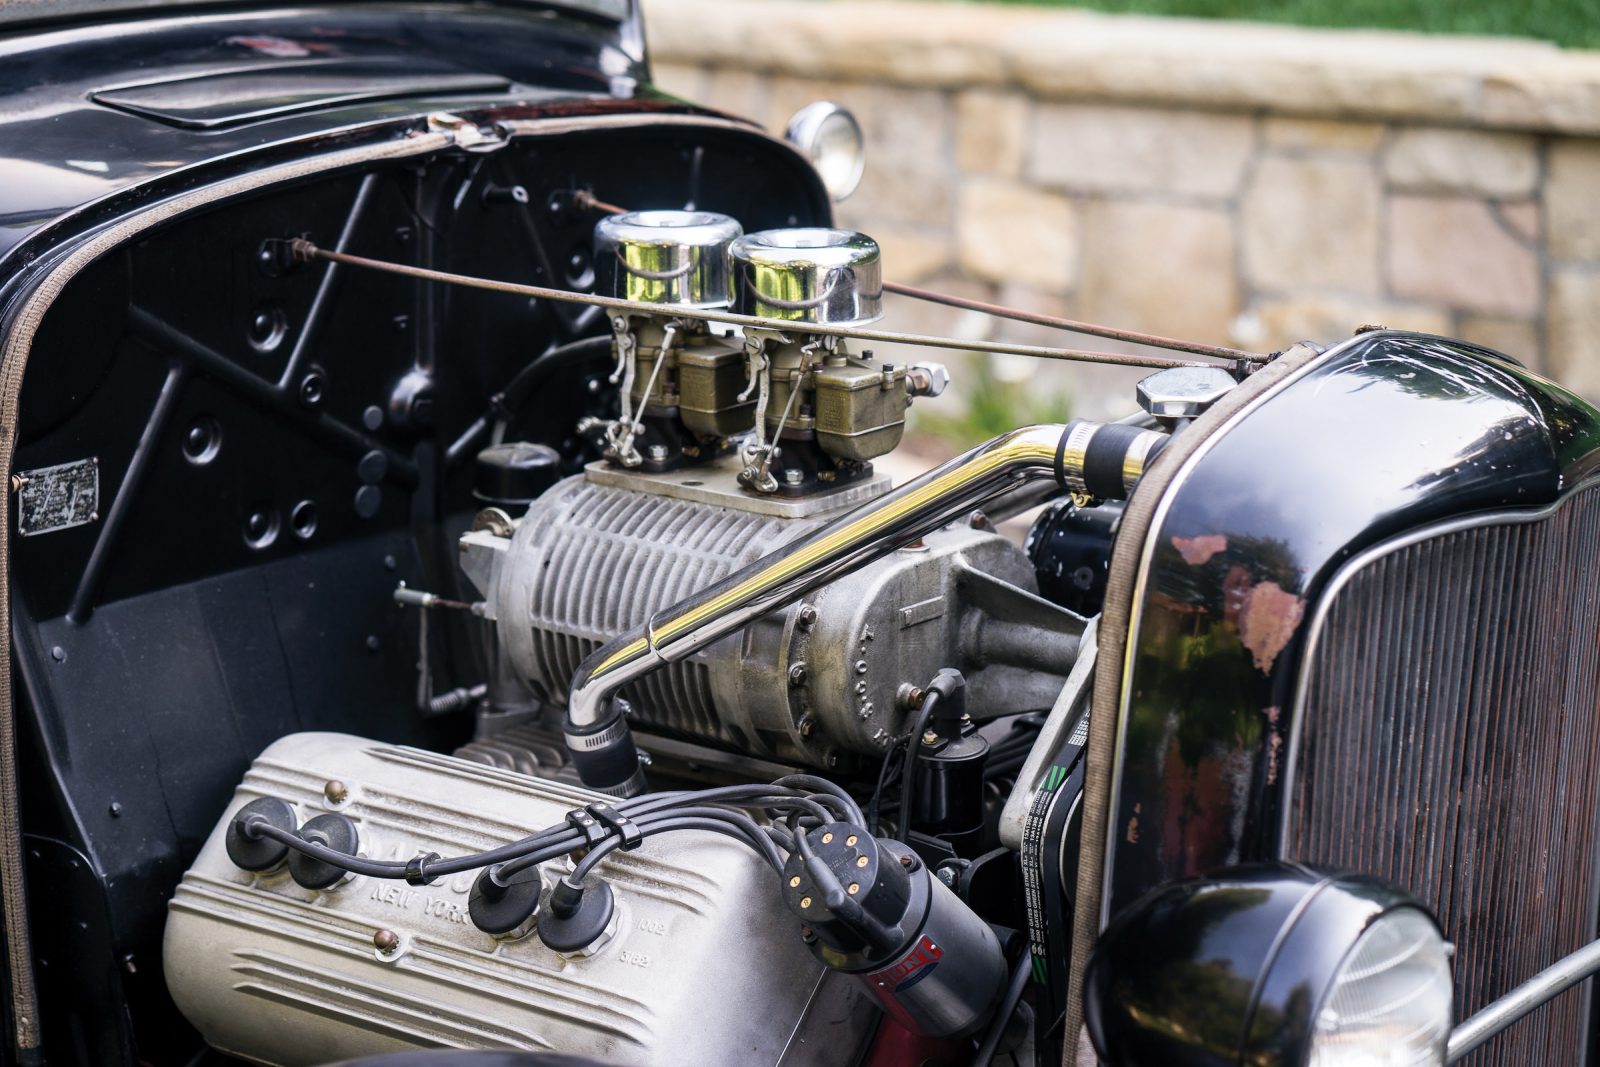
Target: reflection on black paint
(1384,435)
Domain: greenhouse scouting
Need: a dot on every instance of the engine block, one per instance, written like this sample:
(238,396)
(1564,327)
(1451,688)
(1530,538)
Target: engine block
(279,974)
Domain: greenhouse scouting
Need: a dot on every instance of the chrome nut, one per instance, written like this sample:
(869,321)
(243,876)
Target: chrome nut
(927,379)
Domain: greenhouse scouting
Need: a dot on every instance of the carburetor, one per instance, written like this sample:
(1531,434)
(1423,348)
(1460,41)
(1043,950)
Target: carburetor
(818,414)
(821,415)
(682,387)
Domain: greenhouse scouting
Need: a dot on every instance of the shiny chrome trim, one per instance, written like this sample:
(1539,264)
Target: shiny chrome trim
(1146,558)
(1347,573)
(1135,461)
(804,130)
(808,275)
(848,543)
(671,258)
(1075,454)
(1537,991)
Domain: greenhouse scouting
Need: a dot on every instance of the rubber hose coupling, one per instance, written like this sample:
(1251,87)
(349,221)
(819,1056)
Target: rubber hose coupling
(605,756)
(1105,460)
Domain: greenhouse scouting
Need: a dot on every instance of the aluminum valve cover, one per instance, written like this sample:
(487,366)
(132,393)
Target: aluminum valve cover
(705,965)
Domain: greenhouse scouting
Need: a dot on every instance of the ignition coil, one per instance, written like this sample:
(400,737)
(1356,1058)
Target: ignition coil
(944,799)
(872,909)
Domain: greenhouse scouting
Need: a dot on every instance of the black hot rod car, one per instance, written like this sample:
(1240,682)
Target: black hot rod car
(456,617)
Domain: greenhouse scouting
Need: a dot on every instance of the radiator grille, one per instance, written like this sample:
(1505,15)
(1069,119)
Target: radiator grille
(1451,743)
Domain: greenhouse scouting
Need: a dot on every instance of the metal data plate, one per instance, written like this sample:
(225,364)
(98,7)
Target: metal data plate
(59,497)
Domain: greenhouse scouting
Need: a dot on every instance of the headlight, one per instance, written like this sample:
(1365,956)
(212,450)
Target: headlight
(1390,1003)
(829,135)
(1273,965)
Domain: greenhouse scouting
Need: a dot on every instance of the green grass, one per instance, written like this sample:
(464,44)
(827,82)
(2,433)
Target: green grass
(1573,23)
(991,406)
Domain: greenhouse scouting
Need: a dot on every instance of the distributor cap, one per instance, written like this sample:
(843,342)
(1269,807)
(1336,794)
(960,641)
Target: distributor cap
(855,893)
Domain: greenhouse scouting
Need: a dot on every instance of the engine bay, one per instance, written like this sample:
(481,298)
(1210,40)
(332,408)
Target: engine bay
(451,667)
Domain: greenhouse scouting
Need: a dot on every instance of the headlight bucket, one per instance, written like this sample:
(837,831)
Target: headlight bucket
(829,135)
(1237,968)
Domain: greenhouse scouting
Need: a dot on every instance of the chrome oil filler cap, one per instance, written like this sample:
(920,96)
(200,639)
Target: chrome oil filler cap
(809,275)
(671,258)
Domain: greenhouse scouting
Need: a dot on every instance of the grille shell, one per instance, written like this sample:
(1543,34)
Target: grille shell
(1449,740)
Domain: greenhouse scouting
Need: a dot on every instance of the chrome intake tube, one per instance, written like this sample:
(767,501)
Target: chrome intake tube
(1102,459)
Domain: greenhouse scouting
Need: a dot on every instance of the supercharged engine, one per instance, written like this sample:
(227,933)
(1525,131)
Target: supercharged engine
(730,592)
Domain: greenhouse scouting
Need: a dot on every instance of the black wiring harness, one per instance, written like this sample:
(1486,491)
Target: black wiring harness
(795,801)
(507,893)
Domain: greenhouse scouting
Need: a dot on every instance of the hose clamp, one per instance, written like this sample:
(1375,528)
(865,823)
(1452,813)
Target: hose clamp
(1072,455)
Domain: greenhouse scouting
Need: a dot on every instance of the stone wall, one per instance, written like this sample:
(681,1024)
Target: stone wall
(1228,182)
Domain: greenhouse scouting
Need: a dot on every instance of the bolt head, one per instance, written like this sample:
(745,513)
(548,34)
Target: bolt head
(336,792)
(797,674)
(808,726)
(658,452)
(935,377)
(1183,392)
(807,617)
(386,941)
(311,388)
(794,476)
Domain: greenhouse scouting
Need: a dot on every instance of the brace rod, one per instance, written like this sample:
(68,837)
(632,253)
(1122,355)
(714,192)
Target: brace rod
(1113,333)
(305,251)
(584,200)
